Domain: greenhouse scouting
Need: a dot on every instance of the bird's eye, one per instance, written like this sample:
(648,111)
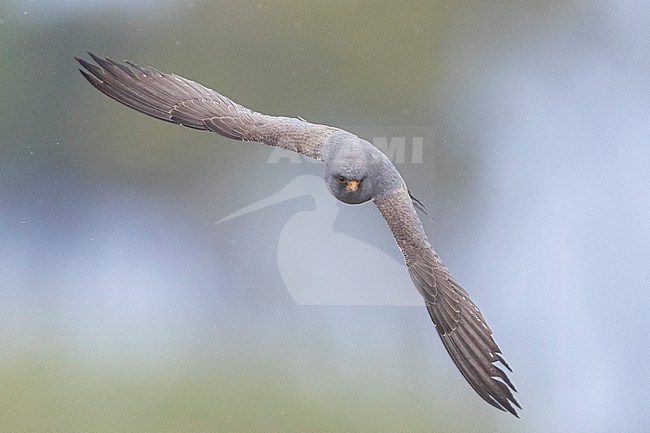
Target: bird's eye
(341,179)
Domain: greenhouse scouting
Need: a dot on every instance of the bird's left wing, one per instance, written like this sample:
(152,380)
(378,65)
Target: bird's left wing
(460,325)
(178,100)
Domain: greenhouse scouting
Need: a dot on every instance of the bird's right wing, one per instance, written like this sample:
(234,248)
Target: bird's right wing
(178,100)
(460,325)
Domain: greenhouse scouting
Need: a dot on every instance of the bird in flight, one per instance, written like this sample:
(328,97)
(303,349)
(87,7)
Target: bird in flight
(355,172)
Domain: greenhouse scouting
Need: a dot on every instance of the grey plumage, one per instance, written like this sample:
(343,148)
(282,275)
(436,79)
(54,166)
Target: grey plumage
(177,100)
(355,172)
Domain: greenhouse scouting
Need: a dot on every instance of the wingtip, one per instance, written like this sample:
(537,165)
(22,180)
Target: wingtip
(82,62)
(85,74)
(503,361)
(508,408)
(511,409)
(94,57)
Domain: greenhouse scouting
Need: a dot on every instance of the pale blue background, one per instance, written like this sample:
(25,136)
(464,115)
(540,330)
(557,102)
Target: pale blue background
(124,307)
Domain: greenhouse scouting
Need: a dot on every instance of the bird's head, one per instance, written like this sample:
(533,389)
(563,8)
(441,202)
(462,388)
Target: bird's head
(349,189)
(350,179)
(355,170)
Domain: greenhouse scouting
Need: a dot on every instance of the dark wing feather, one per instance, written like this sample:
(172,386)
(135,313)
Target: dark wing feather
(460,325)
(177,100)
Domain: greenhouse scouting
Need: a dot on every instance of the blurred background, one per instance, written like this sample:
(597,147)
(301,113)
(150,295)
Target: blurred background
(125,307)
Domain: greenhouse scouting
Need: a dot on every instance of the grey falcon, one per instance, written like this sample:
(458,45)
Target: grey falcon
(355,172)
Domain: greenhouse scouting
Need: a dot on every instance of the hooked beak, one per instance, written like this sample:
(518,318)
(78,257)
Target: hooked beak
(352,186)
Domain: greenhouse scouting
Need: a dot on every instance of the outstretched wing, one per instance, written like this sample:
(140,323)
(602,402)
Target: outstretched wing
(177,100)
(460,325)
